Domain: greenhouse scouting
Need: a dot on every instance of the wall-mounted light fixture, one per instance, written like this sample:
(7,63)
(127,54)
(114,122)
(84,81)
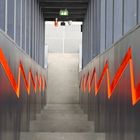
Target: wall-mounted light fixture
(63,23)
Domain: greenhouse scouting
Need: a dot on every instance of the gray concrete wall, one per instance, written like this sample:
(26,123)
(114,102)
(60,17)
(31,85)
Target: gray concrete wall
(63,39)
(63,78)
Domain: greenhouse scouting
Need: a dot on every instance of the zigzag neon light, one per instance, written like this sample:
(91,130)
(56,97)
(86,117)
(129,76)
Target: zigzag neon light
(37,82)
(127,60)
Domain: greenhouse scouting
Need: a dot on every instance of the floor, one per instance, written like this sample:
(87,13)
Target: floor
(61,122)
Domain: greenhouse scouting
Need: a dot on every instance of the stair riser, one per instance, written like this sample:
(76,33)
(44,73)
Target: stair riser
(62,122)
(61,136)
(62,117)
(62,127)
(63,111)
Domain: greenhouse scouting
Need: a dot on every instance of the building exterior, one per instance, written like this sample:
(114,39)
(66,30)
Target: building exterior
(68,38)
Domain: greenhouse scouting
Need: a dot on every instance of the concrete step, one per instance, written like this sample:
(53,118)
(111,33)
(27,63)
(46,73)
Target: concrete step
(79,111)
(62,107)
(62,136)
(61,116)
(61,126)
(62,122)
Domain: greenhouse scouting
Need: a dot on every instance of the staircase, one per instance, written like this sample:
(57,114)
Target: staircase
(61,122)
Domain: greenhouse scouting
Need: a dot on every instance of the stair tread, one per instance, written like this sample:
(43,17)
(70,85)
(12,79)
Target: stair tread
(62,122)
(63,111)
(61,116)
(62,126)
(62,136)
(62,106)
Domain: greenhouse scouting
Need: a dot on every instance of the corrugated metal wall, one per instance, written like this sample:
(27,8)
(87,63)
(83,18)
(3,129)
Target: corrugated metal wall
(22,21)
(22,33)
(109,89)
(111,43)
(105,23)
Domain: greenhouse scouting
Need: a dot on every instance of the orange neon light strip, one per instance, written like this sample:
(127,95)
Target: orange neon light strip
(86,81)
(37,81)
(127,60)
(83,83)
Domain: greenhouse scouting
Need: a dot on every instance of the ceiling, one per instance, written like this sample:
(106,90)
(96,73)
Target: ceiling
(77,9)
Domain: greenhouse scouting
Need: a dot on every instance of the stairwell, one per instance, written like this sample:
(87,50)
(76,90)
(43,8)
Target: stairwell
(62,118)
(62,122)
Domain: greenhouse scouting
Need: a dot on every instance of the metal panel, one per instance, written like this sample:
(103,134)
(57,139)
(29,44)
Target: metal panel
(102,28)
(32,30)
(91,31)
(17,112)
(138,11)
(118,20)
(109,23)
(18,25)
(27,27)
(23,24)
(2,14)
(130,14)
(30,37)
(117,112)
(10,18)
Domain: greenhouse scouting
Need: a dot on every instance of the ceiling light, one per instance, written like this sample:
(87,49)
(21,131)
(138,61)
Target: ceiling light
(64,12)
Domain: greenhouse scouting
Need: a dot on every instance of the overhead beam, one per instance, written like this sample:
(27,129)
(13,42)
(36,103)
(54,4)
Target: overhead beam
(71,11)
(63,19)
(80,1)
(68,17)
(53,5)
(57,15)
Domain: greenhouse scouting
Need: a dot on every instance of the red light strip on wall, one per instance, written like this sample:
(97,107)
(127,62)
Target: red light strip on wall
(37,81)
(127,60)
